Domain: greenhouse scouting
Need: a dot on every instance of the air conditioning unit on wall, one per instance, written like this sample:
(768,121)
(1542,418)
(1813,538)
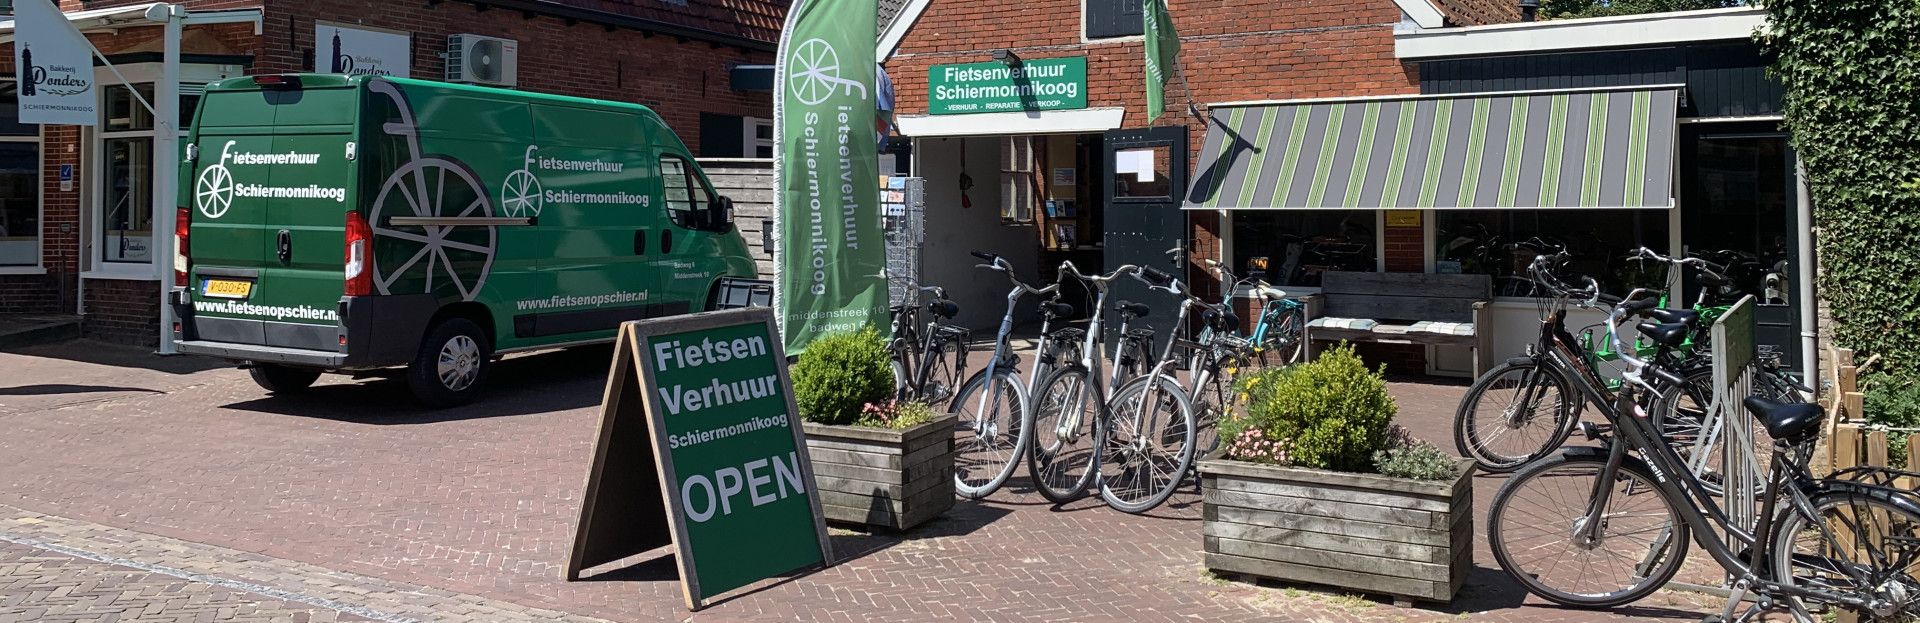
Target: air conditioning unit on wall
(479,59)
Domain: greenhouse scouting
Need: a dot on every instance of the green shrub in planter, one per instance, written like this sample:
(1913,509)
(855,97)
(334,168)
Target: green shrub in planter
(840,374)
(1330,413)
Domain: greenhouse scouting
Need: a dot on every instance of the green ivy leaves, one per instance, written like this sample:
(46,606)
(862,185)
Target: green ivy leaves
(1851,69)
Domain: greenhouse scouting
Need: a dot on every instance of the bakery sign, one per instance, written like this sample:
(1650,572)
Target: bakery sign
(359,51)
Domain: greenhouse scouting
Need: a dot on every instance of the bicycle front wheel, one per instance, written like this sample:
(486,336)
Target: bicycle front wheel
(1513,414)
(991,434)
(1148,445)
(1540,533)
(1860,543)
(1066,441)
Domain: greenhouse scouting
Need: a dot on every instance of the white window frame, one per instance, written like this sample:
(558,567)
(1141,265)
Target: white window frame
(39,265)
(92,212)
(750,141)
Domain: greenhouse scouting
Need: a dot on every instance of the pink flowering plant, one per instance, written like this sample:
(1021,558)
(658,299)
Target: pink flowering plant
(1331,413)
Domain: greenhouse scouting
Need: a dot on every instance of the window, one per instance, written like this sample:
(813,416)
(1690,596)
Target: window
(19,184)
(1017,196)
(1294,247)
(759,137)
(1143,173)
(1106,19)
(1484,242)
(124,213)
(686,196)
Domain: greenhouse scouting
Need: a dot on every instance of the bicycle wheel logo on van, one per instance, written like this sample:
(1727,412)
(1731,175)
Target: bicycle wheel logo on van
(213,192)
(816,73)
(520,194)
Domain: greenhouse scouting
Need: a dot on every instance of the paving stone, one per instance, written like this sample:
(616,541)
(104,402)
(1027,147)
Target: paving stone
(351,493)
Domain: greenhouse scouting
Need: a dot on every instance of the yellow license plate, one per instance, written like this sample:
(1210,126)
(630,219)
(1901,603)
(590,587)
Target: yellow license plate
(226,289)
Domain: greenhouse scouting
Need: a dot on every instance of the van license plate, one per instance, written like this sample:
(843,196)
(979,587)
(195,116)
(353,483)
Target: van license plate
(226,289)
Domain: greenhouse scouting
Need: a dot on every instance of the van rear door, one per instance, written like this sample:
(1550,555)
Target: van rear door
(272,182)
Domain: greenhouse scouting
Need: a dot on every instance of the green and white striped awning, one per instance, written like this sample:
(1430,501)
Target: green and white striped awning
(1610,148)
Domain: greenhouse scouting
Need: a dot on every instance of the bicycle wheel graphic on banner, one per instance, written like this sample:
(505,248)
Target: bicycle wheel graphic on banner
(815,73)
(430,258)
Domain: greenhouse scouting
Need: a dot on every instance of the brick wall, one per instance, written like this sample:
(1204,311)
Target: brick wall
(677,79)
(123,312)
(1231,50)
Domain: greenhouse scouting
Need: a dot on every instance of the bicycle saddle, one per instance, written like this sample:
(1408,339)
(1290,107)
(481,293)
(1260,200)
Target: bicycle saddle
(1131,308)
(1684,316)
(1668,334)
(1056,310)
(1269,293)
(1224,319)
(944,308)
(1792,422)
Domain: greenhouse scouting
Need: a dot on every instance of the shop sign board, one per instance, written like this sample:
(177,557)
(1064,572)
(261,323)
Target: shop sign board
(700,447)
(1032,84)
(55,66)
(360,51)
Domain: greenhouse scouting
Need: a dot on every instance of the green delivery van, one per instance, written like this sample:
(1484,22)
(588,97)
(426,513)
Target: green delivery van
(359,223)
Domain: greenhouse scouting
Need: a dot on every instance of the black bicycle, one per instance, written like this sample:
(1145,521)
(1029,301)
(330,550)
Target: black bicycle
(929,358)
(1605,526)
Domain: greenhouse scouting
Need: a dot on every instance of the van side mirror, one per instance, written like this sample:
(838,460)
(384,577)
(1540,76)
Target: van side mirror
(720,213)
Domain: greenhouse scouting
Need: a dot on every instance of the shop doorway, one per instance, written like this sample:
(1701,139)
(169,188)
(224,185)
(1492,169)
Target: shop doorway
(1738,206)
(1144,176)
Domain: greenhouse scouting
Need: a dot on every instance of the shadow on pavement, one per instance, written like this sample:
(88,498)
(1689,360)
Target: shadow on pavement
(46,389)
(664,567)
(120,356)
(519,385)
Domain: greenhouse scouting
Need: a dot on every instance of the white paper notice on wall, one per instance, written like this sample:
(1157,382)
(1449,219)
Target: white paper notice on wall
(1139,162)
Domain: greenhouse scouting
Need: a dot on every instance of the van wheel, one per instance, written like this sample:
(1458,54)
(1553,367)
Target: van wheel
(277,379)
(452,364)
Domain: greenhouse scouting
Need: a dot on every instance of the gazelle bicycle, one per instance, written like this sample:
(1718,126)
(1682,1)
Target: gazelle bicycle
(994,424)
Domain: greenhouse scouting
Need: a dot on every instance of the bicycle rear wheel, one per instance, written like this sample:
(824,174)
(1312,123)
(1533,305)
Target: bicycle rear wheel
(1148,443)
(990,435)
(1535,528)
(1288,342)
(1872,552)
(1214,401)
(1513,414)
(1066,436)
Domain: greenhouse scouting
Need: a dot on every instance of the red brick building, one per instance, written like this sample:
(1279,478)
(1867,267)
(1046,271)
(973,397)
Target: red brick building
(75,231)
(1069,179)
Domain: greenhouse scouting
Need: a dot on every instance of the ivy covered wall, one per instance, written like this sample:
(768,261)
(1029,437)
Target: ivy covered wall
(1852,74)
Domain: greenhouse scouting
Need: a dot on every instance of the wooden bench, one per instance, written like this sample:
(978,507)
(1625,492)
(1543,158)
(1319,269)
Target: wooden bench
(1419,308)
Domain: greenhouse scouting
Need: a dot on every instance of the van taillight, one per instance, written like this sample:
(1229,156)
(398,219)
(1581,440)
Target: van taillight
(181,254)
(359,256)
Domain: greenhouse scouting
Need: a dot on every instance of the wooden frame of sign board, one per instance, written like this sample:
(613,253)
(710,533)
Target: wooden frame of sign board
(656,517)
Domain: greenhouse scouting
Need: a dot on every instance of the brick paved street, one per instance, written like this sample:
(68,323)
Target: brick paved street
(352,497)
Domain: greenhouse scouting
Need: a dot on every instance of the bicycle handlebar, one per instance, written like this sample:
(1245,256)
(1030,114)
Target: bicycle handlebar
(1068,269)
(1001,264)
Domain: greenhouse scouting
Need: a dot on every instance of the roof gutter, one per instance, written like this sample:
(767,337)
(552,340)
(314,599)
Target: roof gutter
(616,20)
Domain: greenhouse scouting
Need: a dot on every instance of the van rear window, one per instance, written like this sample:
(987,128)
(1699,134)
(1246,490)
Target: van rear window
(277,107)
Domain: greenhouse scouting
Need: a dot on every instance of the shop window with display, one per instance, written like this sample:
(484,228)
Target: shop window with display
(124,198)
(19,183)
(1492,242)
(1294,247)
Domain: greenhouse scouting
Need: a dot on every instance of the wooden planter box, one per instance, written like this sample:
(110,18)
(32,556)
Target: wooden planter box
(1412,539)
(894,479)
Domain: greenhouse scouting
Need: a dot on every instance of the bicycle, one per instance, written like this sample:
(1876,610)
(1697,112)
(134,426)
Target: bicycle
(921,368)
(984,440)
(1641,493)
(1145,437)
(1279,335)
(1074,395)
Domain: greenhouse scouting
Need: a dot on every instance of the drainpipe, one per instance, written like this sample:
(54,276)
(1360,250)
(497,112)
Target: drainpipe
(1810,357)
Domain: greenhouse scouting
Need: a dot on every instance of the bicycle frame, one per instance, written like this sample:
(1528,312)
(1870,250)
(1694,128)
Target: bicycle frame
(1092,350)
(980,413)
(1633,430)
